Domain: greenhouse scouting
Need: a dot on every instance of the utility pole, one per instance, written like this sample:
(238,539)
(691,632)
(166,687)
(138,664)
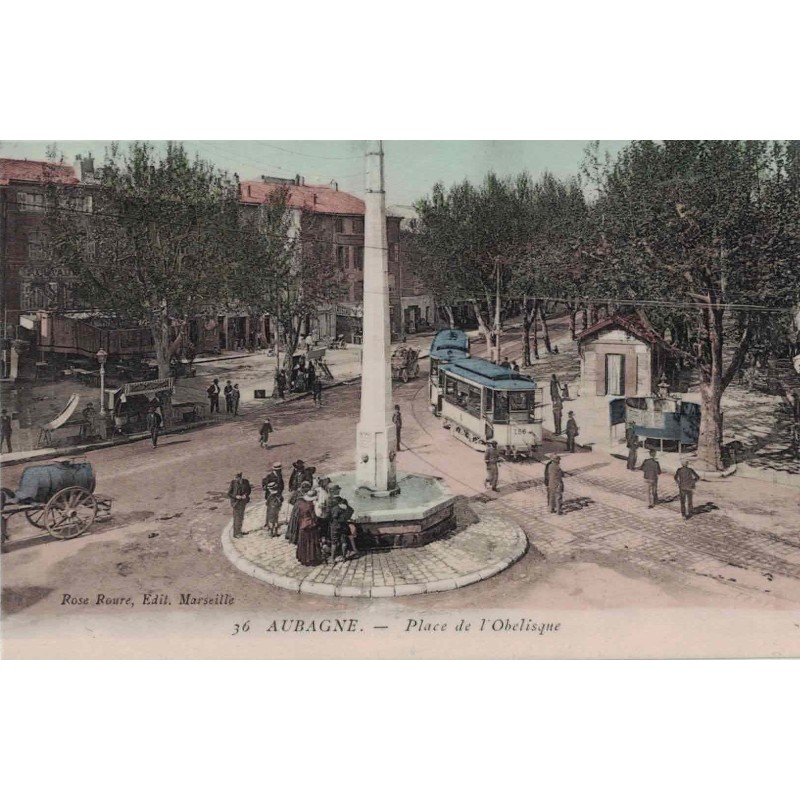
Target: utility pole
(497,313)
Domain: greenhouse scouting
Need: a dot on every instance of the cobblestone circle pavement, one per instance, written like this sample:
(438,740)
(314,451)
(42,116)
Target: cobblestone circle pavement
(473,553)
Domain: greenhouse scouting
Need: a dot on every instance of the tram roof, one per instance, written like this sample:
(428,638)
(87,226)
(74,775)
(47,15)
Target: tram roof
(450,343)
(493,376)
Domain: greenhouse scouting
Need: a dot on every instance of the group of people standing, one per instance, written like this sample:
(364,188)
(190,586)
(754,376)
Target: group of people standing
(319,516)
(232,395)
(685,476)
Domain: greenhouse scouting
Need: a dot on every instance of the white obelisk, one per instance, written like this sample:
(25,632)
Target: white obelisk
(375,435)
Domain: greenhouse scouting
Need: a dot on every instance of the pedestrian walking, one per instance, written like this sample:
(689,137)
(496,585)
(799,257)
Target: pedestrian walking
(492,458)
(264,431)
(572,431)
(239,494)
(309,546)
(236,397)
(5,431)
(555,388)
(296,478)
(317,390)
(651,469)
(554,483)
(154,423)
(213,396)
(228,391)
(687,479)
(397,419)
(274,501)
(275,476)
(632,443)
(558,410)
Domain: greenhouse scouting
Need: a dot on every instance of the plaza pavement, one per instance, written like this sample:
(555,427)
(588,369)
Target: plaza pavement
(483,545)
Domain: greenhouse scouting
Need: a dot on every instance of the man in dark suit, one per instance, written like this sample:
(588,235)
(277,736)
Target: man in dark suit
(558,410)
(651,469)
(239,494)
(296,478)
(632,443)
(554,482)
(5,431)
(213,396)
(687,479)
(572,432)
(397,419)
(492,458)
(274,476)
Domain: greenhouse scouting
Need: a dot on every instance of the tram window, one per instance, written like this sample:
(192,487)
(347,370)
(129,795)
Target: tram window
(474,401)
(518,401)
(501,407)
(462,393)
(450,387)
(489,401)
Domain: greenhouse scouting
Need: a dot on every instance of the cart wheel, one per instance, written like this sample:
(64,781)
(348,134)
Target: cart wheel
(404,375)
(70,512)
(36,517)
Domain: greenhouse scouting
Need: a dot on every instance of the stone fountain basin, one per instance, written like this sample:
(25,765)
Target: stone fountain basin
(420,497)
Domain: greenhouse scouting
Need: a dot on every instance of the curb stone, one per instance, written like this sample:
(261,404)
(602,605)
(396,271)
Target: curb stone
(311,586)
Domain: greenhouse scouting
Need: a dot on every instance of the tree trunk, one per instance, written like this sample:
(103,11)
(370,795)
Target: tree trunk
(160,332)
(449,311)
(573,312)
(709,444)
(535,324)
(545,331)
(585,320)
(484,329)
(526,335)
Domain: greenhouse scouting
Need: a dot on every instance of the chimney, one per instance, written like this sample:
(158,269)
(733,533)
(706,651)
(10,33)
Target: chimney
(78,166)
(335,185)
(249,190)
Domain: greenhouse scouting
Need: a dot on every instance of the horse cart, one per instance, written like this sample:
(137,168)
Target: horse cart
(58,497)
(405,363)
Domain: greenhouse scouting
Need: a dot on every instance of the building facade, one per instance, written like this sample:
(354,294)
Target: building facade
(336,219)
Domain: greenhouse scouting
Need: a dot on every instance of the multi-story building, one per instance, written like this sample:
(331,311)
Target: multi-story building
(31,284)
(338,220)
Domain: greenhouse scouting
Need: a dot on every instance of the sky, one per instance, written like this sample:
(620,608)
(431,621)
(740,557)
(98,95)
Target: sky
(411,167)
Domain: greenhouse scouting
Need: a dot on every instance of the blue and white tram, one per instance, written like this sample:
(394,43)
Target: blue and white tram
(448,345)
(481,401)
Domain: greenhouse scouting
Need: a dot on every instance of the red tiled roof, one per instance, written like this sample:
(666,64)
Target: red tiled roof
(14,169)
(632,325)
(322,199)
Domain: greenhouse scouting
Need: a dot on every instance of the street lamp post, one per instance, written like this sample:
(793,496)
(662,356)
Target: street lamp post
(101,356)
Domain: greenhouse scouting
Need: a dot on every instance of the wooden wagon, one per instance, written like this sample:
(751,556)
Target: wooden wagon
(405,363)
(59,498)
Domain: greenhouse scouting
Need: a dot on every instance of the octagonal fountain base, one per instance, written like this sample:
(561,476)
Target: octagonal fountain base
(420,512)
